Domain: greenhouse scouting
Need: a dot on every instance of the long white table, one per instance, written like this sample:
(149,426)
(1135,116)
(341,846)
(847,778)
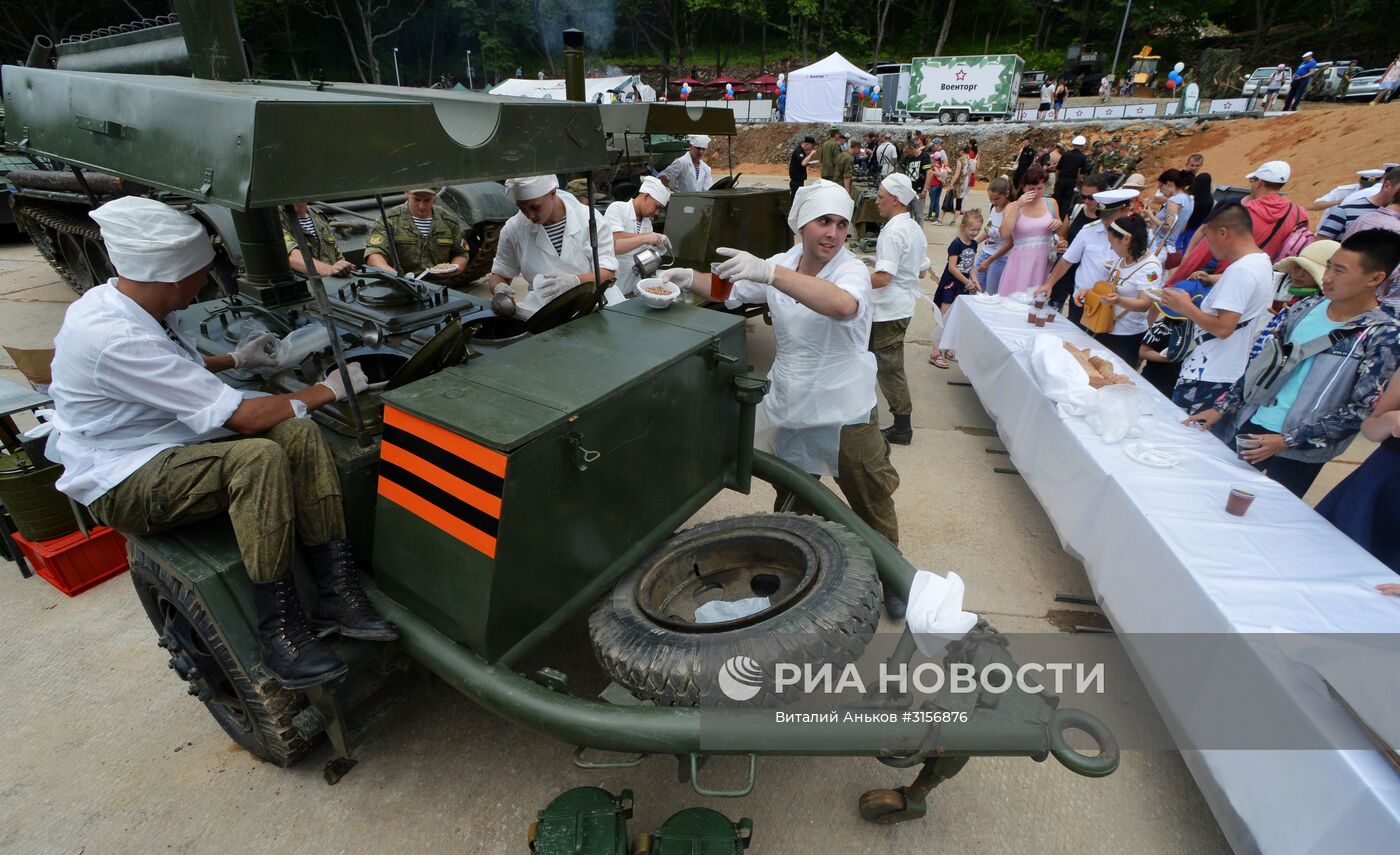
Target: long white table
(1164,557)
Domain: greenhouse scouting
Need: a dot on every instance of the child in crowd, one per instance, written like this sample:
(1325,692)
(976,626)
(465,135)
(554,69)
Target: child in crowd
(992,259)
(957,274)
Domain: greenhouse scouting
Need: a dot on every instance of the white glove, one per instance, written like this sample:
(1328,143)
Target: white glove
(551,285)
(336,383)
(259,350)
(664,245)
(503,300)
(744,265)
(681,277)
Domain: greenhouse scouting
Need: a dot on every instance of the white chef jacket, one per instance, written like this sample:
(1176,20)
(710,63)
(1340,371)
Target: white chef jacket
(684,175)
(123,391)
(524,249)
(622,217)
(1091,251)
(901,251)
(823,374)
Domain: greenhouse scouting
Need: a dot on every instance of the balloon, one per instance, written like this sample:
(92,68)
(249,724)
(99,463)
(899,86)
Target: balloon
(729,87)
(1179,67)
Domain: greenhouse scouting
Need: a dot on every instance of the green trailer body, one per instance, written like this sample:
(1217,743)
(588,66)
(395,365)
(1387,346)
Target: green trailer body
(959,88)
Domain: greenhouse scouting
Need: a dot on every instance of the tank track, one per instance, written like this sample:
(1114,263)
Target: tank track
(38,218)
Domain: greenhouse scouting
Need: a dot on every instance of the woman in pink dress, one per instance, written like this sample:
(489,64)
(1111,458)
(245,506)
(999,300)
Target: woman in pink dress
(1030,223)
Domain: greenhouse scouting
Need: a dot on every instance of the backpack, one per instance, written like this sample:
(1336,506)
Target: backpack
(1297,237)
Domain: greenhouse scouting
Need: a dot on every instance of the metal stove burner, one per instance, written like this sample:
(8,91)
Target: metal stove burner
(383,295)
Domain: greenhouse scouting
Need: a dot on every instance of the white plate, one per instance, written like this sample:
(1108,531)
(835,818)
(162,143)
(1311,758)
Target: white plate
(1022,297)
(989,299)
(1157,457)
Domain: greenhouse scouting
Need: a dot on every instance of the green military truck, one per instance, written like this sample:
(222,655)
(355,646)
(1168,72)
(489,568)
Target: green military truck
(957,89)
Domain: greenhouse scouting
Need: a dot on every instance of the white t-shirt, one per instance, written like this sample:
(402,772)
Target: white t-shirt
(622,217)
(1246,287)
(901,251)
(994,240)
(1146,272)
(126,388)
(1047,93)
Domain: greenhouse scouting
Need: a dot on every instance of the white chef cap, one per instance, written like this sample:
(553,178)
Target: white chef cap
(149,241)
(698,140)
(818,199)
(524,189)
(898,185)
(652,186)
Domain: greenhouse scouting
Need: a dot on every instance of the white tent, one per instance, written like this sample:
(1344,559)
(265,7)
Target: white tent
(821,91)
(593,86)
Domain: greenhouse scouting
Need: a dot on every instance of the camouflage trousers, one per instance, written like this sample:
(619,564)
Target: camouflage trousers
(265,484)
(887,343)
(866,477)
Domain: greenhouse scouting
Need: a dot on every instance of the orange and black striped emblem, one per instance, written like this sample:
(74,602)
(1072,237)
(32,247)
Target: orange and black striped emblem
(445,479)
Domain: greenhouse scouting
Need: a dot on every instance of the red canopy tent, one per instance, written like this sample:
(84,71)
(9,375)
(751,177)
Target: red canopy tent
(764,80)
(721,81)
(681,81)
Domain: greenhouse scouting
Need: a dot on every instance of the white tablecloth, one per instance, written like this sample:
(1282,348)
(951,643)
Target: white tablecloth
(1164,557)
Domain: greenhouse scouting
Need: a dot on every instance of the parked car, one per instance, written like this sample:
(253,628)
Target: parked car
(1255,82)
(1364,84)
(1031,81)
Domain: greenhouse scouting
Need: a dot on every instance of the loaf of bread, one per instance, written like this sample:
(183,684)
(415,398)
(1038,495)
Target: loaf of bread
(1099,370)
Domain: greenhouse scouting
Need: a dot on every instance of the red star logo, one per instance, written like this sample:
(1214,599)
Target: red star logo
(960,74)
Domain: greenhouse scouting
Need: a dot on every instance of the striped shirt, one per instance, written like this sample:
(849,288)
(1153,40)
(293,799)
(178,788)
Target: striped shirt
(556,233)
(307,225)
(423,225)
(1334,225)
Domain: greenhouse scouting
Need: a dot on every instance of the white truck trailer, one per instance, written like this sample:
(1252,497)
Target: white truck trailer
(957,89)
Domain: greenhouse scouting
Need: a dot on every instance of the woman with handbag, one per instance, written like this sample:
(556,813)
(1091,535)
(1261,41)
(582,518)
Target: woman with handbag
(1115,310)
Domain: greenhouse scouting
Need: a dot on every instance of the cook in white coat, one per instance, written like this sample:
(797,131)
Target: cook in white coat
(820,407)
(629,222)
(690,172)
(901,260)
(548,244)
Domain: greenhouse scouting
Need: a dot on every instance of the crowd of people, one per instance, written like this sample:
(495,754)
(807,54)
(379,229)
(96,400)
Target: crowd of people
(1280,338)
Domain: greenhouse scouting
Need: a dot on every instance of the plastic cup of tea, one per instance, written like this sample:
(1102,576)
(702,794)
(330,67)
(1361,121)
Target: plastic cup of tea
(1239,500)
(1032,316)
(719,286)
(1050,314)
(1245,442)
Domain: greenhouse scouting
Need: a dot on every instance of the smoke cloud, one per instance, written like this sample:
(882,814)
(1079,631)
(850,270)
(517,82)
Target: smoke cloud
(597,19)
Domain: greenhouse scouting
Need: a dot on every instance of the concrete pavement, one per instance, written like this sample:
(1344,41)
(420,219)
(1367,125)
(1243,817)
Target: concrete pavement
(102,751)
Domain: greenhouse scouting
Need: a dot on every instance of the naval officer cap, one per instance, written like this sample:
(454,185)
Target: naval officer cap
(1112,200)
(149,241)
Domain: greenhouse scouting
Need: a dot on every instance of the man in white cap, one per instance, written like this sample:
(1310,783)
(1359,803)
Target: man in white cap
(1074,165)
(1090,248)
(1275,217)
(1360,202)
(819,413)
(548,244)
(423,234)
(690,173)
(629,223)
(1301,78)
(901,260)
(135,405)
(1367,179)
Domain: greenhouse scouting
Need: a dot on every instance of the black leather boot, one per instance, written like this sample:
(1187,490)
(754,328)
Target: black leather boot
(294,656)
(901,432)
(894,606)
(340,601)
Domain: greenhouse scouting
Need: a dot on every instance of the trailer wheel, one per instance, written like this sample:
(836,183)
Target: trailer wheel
(824,605)
(258,719)
(945,117)
(962,117)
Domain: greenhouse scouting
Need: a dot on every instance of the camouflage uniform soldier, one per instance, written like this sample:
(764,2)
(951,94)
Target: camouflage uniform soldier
(320,239)
(423,234)
(136,410)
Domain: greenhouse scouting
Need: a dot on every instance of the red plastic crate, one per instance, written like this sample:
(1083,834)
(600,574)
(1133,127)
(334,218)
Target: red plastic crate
(74,563)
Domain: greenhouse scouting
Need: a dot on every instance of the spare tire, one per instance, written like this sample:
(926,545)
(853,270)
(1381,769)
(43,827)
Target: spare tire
(824,605)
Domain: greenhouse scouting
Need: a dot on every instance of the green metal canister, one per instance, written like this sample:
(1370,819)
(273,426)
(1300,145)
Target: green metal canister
(39,511)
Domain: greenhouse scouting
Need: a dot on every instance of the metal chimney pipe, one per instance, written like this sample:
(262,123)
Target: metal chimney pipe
(40,52)
(573,65)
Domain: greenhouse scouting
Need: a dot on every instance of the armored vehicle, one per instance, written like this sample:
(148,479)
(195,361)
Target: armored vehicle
(506,479)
